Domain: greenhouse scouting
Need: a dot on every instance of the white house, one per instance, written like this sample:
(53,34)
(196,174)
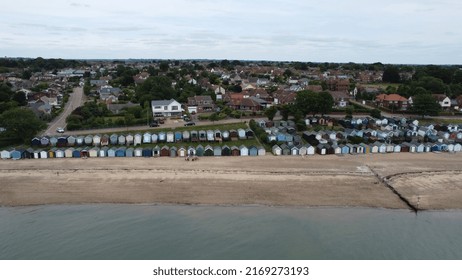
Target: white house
(166,108)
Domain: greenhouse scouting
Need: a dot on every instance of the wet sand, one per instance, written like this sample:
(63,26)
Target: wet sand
(427,181)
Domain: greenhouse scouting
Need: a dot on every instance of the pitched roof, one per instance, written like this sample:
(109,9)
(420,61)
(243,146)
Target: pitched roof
(390,97)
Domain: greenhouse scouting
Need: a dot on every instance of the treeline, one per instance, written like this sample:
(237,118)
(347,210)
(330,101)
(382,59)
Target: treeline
(39,64)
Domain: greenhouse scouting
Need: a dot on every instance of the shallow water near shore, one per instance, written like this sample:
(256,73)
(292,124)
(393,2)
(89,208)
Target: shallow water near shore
(217,232)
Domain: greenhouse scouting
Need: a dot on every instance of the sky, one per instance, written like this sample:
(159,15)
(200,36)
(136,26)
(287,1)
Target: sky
(360,31)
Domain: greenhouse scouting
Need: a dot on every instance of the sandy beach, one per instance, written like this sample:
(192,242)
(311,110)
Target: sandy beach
(426,181)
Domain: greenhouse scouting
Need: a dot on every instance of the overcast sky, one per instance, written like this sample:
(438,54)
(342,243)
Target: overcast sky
(392,31)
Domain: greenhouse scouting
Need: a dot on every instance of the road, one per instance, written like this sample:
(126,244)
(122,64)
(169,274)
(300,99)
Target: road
(75,100)
(169,123)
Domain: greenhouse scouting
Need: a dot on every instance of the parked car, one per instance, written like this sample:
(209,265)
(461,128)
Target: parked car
(154,124)
(189,124)
(60,130)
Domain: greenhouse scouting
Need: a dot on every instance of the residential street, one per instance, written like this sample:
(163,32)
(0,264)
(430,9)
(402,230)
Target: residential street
(75,100)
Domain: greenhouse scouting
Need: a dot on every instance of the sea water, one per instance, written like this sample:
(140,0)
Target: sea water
(217,232)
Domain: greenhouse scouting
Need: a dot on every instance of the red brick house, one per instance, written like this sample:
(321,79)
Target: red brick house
(391,101)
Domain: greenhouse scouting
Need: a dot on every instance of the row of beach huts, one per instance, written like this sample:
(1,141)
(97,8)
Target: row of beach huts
(147,137)
(375,148)
(157,151)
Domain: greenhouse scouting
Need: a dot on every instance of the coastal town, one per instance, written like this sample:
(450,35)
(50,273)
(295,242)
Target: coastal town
(148,108)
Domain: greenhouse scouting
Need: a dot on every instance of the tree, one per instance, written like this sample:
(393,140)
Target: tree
(326,101)
(376,113)
(307,102)
(425,104)
(21,123)
(391,75)
(271,112)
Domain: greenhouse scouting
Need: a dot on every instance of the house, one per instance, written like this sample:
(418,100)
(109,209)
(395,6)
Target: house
(443,100)
(166,108)
(200,104)
(392,101)
(341,98)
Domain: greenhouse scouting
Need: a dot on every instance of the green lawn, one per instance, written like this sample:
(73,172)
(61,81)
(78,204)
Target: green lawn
(438,121)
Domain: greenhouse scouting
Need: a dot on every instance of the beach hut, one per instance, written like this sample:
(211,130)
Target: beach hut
(217,134)
(44,141)
(225,150)
(353,148)
(261,151)
(5,154)
(85,152)
(165,151)
(121,139)
(210,136)
(444,147)
(103,152)
(88,140)
(199,150)
(130,139)
(244,150)
(235,151)
(294,150)
(253,151)
(321,149)
(225,135)
(53,141)
(120,152)
(147,152)
(276,150)
(105,140)
(397,148)
(62,141)
(202,136)
(345,149)
(208,151)
(285,150)
(281,137)
(181,151)
(43,154)
(420,148)
(71,141)
(457,147)
(51,153)
(129,152)
(35,142)
(170,137)
(111,152)
(68,152)
(79,140)
(329,149)
(113,139)
(241,134)
(337,149)
(186,135)
(194,136)
(382,148)
(162,137)
(147,138)
(450,148)
(360,149)
(28,153)
(156,151)
(428,147)
(217,151)
(93,152)
(96,140)
(173,151)
(302,150)
(76,153)
(178,136)
(435,148)
(59,153)
(310,150)
(192,151)
(137,139)
(249,133)
(366,149)
(36,154)
(154,138)
(233,135)
(16,154)
(390,148)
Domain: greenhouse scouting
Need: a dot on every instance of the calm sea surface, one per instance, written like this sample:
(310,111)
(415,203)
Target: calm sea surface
(213,232)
